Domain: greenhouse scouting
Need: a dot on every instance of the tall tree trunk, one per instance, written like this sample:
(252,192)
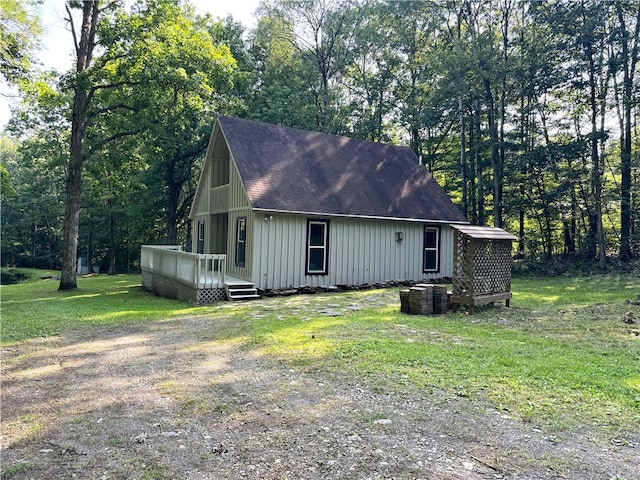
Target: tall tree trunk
(463,163)
(548,231)
(596,177)
(506,14)
(112,239)
(324,114)
(495,157)
(569,246)
(478,164)
(172,218)
(629,60)
(84,53)
(173,187)
(90,247)
(472,173)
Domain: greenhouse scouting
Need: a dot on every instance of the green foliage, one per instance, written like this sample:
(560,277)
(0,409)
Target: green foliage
(19,32)
(10,276)
(154,88)
(32,210)
(571,266)
(510,75)
(175,75)
(282,95)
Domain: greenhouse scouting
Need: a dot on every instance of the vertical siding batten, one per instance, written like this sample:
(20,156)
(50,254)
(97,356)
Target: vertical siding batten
(360,251)
(239,207)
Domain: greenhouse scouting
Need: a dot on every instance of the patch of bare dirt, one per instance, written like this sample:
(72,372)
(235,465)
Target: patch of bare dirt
(169,400)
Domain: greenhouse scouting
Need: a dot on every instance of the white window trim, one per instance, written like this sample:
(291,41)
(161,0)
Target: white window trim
(435,249)
(324,247)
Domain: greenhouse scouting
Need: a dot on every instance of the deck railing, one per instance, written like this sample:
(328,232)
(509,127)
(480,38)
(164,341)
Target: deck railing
(192,269)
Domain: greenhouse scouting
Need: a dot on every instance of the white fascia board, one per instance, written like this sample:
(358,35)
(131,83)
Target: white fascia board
(365,217)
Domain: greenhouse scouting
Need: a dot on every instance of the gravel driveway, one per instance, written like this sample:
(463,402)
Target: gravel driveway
(169,400)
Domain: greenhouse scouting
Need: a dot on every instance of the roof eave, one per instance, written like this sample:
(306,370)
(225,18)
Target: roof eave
(367,217)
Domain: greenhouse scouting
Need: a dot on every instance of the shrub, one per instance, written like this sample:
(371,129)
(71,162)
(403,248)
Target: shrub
(11,276)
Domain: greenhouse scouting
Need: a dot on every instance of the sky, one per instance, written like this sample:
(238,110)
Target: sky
(57,43)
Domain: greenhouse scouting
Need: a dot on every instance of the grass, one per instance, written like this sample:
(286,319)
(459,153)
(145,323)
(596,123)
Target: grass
(38,309)
(561,357)
(13,275)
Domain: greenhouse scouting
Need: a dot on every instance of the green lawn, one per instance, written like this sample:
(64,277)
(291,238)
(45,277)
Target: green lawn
(38,309)
(560,357)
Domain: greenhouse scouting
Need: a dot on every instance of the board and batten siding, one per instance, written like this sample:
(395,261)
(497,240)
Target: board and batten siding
(360,251)
(239,207)
(215,173)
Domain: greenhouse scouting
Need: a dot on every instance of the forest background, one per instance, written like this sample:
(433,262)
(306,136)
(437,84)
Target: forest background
(525,112)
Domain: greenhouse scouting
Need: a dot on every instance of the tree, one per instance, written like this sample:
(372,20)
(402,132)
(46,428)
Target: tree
(32,201)
(160,73)
(628,38)
(419,108)
(85,43)
(323,35)
(177,77)
(507,102)
(591,42)
(19,34)
(281,94)
(370,78)
(579,31)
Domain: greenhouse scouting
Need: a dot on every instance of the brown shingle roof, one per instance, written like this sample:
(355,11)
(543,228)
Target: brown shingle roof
(286,169)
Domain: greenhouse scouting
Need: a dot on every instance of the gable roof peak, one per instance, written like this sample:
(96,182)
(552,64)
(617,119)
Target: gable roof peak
(288,169)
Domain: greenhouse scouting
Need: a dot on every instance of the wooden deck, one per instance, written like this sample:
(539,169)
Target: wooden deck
(229,281)
(198,278)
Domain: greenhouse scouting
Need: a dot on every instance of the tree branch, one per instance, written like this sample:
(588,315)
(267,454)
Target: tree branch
(73,29)
(95,88)
(109,109)
(112,138)
(111,5)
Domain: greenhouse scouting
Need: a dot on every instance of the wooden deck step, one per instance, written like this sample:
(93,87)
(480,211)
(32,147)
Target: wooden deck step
(244,291)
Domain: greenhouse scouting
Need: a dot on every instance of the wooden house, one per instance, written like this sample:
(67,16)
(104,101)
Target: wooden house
(290,208)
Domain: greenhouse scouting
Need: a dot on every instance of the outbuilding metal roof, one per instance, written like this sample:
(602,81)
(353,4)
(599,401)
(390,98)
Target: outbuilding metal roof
(485,233)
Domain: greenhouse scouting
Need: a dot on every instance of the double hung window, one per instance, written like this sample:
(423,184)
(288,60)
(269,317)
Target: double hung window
(241,241)
(200,246)
(431,252)
(317,247)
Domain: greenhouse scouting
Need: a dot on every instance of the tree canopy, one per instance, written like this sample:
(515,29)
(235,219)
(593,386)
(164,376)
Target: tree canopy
(524,111)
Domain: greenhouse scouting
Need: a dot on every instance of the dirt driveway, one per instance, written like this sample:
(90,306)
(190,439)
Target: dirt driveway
(169,400)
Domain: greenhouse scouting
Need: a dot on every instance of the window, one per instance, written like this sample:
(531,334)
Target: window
(431,256)
(200,247)
(241,240)
(317,247)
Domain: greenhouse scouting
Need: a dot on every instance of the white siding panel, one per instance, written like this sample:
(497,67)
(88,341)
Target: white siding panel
(360,251)
(232,269)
